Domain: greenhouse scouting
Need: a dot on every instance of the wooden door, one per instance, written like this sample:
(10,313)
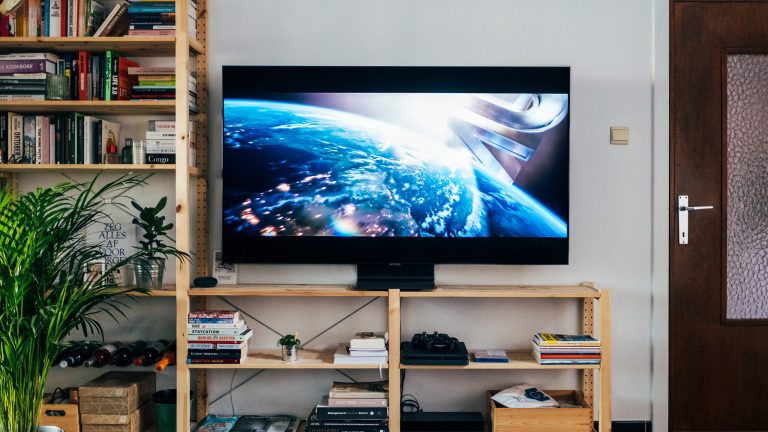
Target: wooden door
(719,157)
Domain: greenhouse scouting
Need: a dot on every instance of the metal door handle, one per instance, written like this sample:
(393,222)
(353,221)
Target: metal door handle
(682,217)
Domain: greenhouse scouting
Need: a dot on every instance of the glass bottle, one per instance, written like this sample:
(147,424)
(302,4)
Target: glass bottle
(152,353)
(125,355)
(169,358)
(79,355)
(103,355)
(111,155)
(128,151)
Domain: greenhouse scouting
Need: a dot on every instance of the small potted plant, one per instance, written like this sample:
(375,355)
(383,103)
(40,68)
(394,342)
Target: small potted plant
(291,345)
(149,270)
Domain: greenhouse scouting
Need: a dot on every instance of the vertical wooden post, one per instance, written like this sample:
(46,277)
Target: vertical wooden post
(201,162)
(394,360)
(604,404)
(588,328)
(183,231)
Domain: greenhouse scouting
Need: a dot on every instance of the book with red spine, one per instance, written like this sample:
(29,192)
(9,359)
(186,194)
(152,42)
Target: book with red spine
(124,82)
(82,62)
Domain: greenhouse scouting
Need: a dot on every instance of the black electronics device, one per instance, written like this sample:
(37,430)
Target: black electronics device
(205,282)
(434,349)
(395,169)
(442,421)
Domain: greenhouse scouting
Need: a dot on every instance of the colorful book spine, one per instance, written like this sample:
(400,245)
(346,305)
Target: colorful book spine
(212,361)
(216,346)
(217,354)
(29,139)
(26,66)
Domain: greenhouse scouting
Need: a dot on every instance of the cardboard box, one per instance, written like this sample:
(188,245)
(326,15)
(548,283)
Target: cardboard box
(117,393)
(65,416)
(138,421)
(543,419)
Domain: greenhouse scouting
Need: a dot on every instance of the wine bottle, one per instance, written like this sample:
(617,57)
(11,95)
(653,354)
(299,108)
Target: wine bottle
(169,358)
(79,355)
(152,353)
(103,355)
(66,351)
(126,354)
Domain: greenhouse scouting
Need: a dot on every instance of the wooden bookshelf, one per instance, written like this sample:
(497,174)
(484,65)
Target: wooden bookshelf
(90,168)
(272,359)
(130,46)
(91,107)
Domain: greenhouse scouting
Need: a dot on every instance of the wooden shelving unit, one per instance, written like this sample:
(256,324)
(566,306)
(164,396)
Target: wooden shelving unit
(90,168)
(587,296)
(91,107)
(190,182)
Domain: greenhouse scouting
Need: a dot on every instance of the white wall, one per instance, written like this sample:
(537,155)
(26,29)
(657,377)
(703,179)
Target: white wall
(608,44)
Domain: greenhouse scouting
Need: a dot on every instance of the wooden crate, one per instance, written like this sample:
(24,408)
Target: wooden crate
(543,419)
(65,416)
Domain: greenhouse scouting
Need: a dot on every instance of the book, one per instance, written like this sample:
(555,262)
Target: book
(359,390)
(342,356)
(491,356)
(369,340)
(208,338)
(4,137)
(565,360)
(156,70)
(554,339)
(215,314)
(323,411)
(361,403)
(151,32)
(366,352)
(111,24)
(14,66)
(219,332)
(218,353)
(216,345)
(193,320)
(213,361)
(314,421)
(223,325)
(29,139)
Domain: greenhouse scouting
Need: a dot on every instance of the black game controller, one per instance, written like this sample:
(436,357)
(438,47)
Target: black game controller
(434,341)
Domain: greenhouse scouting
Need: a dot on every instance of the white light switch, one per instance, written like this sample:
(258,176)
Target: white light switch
(619,135)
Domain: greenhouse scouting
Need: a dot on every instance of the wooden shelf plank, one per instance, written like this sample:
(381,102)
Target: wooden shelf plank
(92,107)
(272,359)
(286,291)
(195,46)
(167,291)
(91,168)
(517,360)
(523,291)
(125,45)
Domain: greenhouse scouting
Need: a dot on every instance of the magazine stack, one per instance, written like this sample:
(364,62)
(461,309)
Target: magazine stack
(563,349)
(217,337)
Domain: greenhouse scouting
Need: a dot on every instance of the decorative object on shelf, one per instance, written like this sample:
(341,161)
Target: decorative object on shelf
(150,268)
(225,273)
(9,6)
(43,293)
(57,87)
(138,152)
(128,151)
(291,345)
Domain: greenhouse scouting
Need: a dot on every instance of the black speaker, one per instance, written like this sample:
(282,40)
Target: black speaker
(205,282)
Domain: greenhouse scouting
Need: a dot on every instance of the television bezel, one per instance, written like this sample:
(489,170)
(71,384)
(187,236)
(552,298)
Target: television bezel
(244,82)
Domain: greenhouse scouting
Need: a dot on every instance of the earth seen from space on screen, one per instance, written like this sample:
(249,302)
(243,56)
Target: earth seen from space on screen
(299,170)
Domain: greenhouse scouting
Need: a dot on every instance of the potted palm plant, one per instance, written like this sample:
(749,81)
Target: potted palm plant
(46,288)
(151,266)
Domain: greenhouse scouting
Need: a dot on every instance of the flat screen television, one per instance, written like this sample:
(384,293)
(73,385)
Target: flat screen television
(395,165)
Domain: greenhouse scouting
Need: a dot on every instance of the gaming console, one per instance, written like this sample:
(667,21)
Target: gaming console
(434,349)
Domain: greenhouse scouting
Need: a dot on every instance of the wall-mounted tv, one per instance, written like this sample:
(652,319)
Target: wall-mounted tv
(372,165)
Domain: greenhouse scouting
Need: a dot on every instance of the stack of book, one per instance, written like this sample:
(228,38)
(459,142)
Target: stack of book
(161,142)
(217,337)
(352,406)
(563,349)
(158,18)
(364,348)
(153,83)
(22,75)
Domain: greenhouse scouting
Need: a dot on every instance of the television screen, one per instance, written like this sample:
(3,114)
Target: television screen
(381,165)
